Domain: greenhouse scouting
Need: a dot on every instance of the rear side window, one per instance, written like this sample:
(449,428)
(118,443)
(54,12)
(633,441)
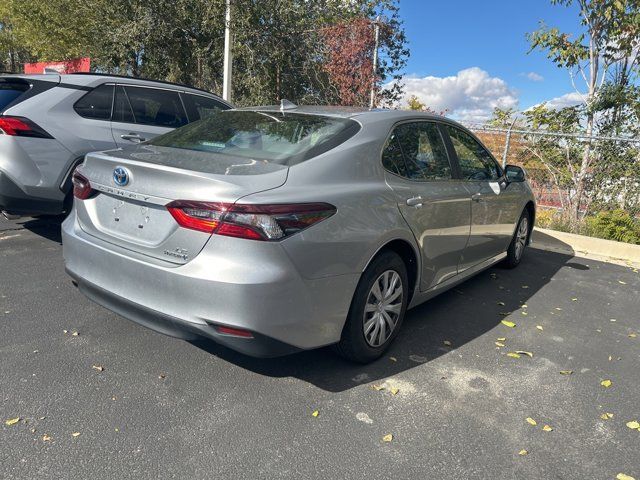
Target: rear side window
(96,104)
(10,90)
(422,151)
(152,106)
(277,137)
(199,106)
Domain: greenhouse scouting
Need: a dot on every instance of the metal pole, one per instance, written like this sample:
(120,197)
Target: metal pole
(228,57)
(507,144)
(372,100)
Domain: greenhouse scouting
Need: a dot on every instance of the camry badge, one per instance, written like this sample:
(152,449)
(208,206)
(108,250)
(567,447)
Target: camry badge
(121,176)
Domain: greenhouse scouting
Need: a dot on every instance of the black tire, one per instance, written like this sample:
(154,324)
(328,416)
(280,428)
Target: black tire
(516,249)
(353,345)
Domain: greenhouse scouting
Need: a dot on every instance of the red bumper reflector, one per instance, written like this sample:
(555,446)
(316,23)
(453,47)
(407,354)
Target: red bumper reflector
(236,332)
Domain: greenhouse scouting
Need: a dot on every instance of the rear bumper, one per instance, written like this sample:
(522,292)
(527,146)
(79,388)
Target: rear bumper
(14,200)
(226,285)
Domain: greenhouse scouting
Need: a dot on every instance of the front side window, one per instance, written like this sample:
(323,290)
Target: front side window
(96,104)
(153,106)
(416,151)
(475,162)
(282,138)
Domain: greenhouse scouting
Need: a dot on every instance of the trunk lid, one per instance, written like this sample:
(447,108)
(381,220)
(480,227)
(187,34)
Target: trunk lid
(133,215)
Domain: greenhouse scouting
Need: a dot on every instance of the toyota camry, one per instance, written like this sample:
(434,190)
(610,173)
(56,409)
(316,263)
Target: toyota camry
(277,229)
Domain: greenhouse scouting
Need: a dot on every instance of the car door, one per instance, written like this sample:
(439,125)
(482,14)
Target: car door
(141,113)
(433,202)
(91,130)
(493,214)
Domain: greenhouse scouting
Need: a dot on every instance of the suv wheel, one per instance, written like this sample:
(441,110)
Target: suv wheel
(377,309)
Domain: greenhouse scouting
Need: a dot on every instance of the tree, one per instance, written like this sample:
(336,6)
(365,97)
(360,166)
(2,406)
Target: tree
(414,104)
(610,40)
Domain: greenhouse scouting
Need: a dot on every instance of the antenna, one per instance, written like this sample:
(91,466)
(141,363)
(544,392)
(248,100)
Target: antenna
(287,105)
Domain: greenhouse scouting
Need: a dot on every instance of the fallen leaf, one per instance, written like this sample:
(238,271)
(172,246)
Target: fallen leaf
(33,430)
(46,438)
(610,358)
(634,425)
(505,314)
(499,344)
(558,308)
(501,339)
(64,331)
(508,323)
(531,421)
(574,299)
(387,438)
(524,313)
(547,428)
(75,434)
(501,304)
(522,352)
(447,343)
(523,452)
(606,383)
(493,275)
(99,368)
(539,327)
(621,282)
(566,372)
(394,391)
(524,305)
(612,320)
(315,413)
(12,421)
(598,330)
(393,359)
(606,416)
(162,376)
(632,335)
(377,387)
(75,334)
(513,355)
(622,476)
(525,286)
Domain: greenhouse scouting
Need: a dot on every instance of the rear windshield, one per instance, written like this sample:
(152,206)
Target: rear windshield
(277,137)
(10,90)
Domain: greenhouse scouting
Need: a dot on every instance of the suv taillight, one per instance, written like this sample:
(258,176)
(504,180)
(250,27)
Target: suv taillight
(254,222)
(81,186)
(21,127)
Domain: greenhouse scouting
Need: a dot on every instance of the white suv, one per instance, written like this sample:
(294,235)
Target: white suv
(49,122)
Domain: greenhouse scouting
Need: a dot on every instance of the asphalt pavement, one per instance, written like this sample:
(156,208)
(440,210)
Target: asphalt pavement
(120,401)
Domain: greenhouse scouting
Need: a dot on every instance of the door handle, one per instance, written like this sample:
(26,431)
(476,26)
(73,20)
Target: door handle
(415,201)
(477,197)
(133,137)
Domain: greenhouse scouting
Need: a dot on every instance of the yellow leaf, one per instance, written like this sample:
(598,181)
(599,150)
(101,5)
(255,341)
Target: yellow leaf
(634,425)
(621,282)
(513,355)
(610,358)
(606,416)
(64,331)
(315,413)
(46,438)
(633,335)
(523,452)
(377,388)
(394,391)
(574,299)
(524,313)
(539,327)
(501,339)
(622,476)
(531,421)
(508,323)
(524,305)
(501,304)
(447,343)
(547,428)
(393,359)
(75,334)
(558,308)
(525,286)
(522,352)
(387,438)
(499,344)
(99,368)
(566,372)
(606,383)
(12,421)
(75,434)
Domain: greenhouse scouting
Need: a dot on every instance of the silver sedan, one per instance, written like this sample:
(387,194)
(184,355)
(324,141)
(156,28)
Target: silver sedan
(277,229)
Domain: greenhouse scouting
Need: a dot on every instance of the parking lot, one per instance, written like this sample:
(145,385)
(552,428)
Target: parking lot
(119,401)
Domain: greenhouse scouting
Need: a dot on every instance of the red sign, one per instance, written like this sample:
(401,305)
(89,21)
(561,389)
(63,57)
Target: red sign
(65,66)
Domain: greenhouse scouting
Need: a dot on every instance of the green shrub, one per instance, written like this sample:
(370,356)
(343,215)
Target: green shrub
(614,225)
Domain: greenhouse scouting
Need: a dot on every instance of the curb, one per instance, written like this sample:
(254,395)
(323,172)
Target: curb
(588,247)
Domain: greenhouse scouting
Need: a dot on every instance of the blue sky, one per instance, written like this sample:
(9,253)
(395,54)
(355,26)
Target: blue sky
(487,37)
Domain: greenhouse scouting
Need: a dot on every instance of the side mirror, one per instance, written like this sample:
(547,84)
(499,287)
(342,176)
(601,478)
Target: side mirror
(514,173)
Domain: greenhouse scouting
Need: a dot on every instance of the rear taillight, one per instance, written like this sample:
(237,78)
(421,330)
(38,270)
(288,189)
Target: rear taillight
(81,186)
(255,222)
(21,127)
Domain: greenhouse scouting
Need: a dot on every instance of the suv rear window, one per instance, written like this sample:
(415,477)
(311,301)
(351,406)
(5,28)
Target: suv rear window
(10,90)
(276,137)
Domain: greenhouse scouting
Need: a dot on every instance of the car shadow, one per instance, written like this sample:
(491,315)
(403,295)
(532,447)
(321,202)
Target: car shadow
(46,226)
(470,310)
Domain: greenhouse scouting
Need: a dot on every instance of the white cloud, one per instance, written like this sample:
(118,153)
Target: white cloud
(534,77)
(566,100)
(470,95)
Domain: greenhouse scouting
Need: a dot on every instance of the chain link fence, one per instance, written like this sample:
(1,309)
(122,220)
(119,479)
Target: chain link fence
(583,184)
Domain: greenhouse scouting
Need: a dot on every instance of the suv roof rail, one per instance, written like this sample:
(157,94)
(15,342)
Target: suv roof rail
(146,80)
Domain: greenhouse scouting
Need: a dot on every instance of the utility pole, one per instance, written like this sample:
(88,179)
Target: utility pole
(372,99)
(228,56)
